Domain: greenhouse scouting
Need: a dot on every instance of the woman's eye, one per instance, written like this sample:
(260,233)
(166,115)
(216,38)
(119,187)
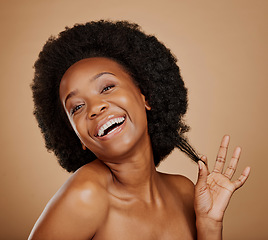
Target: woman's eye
(76,108)
(107,88)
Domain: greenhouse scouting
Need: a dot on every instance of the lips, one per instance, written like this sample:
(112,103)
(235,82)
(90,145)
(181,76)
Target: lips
(109,126)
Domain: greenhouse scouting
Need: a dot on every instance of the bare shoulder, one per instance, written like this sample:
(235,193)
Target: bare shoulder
(79,207)
(180,185)
(181,190)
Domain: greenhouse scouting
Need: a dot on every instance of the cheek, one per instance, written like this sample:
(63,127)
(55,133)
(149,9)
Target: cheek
(79,127)
(129,100)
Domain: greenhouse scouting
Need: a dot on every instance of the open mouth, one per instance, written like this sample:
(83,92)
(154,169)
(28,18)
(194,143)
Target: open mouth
(110,126)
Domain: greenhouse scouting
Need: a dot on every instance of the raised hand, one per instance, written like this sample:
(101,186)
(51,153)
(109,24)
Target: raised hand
(214,190)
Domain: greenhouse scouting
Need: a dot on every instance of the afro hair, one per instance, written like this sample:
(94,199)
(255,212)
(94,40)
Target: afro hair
(148,61)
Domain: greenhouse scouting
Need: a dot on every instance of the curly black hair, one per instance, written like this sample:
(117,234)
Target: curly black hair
(148,61)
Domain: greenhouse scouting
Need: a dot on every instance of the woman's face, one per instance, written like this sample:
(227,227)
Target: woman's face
(105,108)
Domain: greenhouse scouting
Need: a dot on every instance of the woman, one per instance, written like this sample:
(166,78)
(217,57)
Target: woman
(110,100)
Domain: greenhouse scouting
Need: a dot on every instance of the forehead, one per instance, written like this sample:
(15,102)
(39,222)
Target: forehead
(89,68)
(93,65)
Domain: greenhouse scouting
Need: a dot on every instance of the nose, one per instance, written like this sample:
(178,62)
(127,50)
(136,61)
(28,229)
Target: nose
(96,108)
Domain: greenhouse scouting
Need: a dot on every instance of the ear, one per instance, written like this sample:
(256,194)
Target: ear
(146,103)
(147,106)
(83,146)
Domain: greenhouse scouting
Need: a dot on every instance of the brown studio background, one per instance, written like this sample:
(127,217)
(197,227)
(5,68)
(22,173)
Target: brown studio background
(222,51)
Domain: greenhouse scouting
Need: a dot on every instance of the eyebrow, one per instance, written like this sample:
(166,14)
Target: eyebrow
(73,93)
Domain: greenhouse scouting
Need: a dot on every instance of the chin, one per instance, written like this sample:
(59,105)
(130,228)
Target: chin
(116,151)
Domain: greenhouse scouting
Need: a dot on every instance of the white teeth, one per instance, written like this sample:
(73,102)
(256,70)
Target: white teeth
(109,124)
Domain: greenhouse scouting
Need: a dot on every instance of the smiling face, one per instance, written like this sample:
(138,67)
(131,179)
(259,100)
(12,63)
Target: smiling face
(105,108)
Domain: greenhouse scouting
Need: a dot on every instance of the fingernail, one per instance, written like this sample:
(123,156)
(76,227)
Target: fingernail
(200,165)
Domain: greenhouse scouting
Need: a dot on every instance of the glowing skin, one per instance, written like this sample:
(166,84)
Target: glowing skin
(96,92)
(121,195)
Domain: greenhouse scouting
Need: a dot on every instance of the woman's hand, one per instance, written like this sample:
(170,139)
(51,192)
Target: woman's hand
(214,190)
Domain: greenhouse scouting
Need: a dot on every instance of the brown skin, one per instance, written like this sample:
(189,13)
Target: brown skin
(121,195)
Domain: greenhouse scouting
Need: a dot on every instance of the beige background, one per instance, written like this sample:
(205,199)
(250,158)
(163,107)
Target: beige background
(222,51)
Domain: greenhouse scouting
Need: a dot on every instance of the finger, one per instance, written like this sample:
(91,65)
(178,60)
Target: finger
(242,179)
(202,176)
(220,161)
(205,161)
(230,170)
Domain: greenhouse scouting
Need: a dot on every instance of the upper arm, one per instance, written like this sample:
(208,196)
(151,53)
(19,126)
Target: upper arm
(73,213)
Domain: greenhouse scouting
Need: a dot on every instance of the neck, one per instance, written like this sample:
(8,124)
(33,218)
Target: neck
(135,175)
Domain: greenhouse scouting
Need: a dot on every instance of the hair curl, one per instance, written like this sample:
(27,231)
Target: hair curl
(148,61)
